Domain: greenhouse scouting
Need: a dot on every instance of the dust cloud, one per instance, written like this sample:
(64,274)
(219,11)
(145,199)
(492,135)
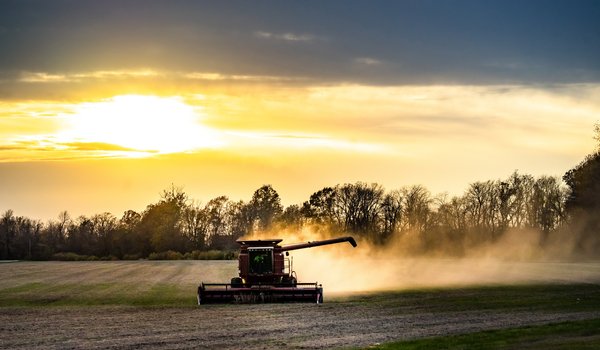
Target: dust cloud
(515,258)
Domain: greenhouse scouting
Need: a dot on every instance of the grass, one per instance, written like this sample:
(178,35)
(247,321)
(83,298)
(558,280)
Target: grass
(132,283)
(566,335)
(551,297)
(173,284)
(572,297)
(48,295)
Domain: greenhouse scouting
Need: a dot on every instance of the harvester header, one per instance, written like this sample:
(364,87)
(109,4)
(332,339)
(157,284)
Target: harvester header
(266,275)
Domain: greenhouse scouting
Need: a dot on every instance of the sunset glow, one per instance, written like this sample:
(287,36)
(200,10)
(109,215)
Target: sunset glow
(147,124)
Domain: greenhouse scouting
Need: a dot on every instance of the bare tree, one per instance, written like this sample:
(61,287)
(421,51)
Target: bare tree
(358,206)
(416,209)
(319,209)
(391,213)
(547,203)
(195,224)
(7,229)
(216,211)
(266,206)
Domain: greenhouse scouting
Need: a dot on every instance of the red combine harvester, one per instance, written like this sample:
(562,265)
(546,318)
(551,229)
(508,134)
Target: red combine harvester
(266,275)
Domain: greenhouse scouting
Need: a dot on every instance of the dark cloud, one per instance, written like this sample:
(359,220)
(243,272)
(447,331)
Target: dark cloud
(421,42)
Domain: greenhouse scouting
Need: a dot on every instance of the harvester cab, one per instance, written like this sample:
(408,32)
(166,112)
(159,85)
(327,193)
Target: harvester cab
(261,261)
(266,275)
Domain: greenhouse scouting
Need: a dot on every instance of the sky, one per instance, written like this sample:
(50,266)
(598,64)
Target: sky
(103,104)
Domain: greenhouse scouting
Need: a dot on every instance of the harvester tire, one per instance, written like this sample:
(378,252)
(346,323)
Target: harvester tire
(290,281)
(236,282)
(198,295)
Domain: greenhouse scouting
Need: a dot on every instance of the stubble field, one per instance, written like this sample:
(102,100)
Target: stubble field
(152,304)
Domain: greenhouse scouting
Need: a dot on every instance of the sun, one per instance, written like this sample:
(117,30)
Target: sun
(140,123)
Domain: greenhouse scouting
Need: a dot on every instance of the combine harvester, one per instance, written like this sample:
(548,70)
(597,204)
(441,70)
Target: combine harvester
(266,275)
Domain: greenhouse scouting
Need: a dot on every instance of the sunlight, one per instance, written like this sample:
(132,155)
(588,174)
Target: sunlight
(140,124)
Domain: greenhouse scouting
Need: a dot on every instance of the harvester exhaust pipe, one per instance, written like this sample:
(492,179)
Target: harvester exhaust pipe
(318,243)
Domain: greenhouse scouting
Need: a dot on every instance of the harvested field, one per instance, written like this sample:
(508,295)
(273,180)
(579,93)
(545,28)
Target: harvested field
(125,305)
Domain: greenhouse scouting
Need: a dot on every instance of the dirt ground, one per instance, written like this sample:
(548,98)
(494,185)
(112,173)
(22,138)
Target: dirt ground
(300,326)
(340,322)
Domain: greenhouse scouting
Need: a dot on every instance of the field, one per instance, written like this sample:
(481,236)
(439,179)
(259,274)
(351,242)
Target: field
(152,304)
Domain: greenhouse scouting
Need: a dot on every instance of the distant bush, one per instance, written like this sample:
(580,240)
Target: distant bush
(132,257)
(68,256)
(211,255)
(168,255)
(194,255)
(109,258)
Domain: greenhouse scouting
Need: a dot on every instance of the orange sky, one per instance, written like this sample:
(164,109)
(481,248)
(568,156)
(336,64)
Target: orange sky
(113,153)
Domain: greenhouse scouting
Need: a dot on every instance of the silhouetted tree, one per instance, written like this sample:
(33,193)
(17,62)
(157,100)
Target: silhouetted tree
(161,222)
(483,213)
(129,240)
(81,237)
(391,214)
(450,225)
(7,230)
(319,209)
(547,203)
(583,202)
(266,206)
(239,219)
(195,225)
(216,215)
(415,209)
(105,228)
(521,188)
(292,217)
(27,239)
(359,205)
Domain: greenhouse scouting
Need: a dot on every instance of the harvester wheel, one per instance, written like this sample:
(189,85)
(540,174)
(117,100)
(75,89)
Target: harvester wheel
(198,295)
(236,282)
(290,281)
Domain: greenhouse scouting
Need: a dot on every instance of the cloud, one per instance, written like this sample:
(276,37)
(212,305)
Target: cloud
(44,147)
(96,146)
(291,37)
(49,77)
(42,77)
(369,61)
(213,76)
(107,75)
(453,46)
(289,141)
(13,148)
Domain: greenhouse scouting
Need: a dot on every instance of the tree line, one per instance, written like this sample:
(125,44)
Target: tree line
(178,227)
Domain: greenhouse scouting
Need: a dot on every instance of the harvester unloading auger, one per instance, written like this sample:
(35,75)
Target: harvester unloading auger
(266,275)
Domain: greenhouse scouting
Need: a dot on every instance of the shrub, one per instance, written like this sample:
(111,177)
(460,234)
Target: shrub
(168,255)
(109,258)
(69,256)
(171,255)
(132,257)
(213,255)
